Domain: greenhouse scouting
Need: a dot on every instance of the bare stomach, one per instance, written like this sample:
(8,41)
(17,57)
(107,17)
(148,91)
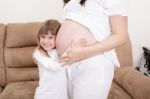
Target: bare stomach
(72,31)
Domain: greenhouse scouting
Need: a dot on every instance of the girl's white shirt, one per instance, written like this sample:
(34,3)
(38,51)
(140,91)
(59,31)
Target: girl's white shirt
(49,63)
(52,77)
(94,15)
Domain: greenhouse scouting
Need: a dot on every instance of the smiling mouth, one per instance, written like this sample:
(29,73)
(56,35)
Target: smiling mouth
(46,46)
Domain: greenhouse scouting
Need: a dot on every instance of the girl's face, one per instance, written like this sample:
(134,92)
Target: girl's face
(47,41)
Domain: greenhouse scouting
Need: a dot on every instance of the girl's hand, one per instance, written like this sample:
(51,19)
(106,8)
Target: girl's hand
(34,59)
(82,43)
(33,55)
(76,52)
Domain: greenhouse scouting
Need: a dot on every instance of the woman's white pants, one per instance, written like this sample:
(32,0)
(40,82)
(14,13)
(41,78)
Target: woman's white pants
(90,78)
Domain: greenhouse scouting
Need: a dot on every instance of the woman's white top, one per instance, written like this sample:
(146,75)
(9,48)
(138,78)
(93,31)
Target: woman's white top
(94,15)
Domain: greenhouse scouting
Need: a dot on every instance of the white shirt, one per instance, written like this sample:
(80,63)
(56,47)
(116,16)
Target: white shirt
(48,63)
(53,79)
(95,16)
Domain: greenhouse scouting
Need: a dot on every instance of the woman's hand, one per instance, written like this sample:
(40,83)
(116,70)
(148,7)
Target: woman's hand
(76,52)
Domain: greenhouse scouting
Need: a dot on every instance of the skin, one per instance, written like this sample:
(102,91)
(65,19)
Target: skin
(47,41)
(82,43)
(118,37)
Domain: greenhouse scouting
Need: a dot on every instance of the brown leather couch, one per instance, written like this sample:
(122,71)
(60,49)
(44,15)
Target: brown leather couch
(19,74)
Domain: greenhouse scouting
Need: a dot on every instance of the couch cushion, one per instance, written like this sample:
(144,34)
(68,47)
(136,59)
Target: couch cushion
(19,90)
(2,68)
(21,39)
(21,74)
(124,53)
(22,34)
(19,57)
(135,83)
(116,92)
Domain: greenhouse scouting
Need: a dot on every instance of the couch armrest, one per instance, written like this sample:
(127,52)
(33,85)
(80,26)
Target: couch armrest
(135,83)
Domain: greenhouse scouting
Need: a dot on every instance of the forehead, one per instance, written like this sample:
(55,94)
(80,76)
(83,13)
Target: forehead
(47,34)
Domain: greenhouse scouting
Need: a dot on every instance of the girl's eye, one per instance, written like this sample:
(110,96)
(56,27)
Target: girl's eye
(42,36)
(51,37)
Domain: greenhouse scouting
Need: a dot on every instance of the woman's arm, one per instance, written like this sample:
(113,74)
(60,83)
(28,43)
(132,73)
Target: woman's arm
(118,37)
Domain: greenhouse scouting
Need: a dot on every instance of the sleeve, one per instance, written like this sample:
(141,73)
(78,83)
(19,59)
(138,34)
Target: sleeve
(113,7)
(46,62)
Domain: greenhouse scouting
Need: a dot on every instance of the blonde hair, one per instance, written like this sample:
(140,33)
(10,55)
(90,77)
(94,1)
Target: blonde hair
(51,26)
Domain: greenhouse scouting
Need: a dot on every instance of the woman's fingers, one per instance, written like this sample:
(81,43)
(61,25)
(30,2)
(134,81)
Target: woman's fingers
(64,59)
(64,64)
(83,43)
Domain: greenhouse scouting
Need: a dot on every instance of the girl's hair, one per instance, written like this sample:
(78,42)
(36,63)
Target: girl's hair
(51,26)
(82,2)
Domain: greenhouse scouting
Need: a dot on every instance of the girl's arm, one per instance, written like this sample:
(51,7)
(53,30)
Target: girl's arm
(46,62)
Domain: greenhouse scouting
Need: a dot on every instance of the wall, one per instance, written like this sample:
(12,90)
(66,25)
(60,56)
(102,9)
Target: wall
(29,10)
(139,28)
(12,11)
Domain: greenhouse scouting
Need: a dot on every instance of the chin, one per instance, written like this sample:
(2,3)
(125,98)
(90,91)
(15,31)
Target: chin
(49,49)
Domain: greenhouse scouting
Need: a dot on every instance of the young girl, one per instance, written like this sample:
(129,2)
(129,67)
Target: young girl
(52,76)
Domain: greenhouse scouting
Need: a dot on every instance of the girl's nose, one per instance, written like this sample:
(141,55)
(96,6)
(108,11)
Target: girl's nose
(45,41)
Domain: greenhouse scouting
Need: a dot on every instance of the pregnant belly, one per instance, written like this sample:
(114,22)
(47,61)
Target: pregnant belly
(72,31)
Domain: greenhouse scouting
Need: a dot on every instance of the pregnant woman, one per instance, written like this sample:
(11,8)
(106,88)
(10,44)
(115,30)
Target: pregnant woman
(103,24)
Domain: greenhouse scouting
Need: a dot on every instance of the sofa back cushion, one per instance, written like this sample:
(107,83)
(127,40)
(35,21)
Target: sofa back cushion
(21,39)
(22,35)
(124,53)
(2,68)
